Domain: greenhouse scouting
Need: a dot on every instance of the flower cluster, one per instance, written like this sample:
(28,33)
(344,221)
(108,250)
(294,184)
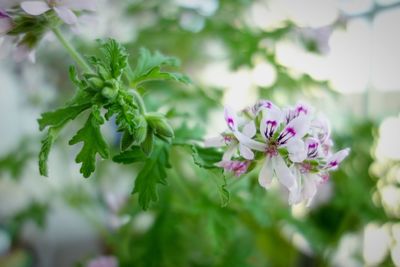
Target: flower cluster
(23,27)
(292,144)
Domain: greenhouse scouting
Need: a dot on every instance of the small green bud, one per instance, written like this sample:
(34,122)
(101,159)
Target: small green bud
(96,82)
(141,131)
(147,145)
(159,124)
(109,93)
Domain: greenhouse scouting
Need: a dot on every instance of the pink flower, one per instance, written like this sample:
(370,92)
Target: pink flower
(103,261)
(5,22)
(63,8)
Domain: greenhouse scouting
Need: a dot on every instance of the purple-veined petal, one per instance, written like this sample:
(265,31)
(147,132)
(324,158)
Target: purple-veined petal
(250,129)
(246,152)
(263,105)
(3,14)
(334,161)
(231,119)
(312,146)
(283,173)
(230,151)
(235,166)
(266,174)
(250,143)
(66,14)
(270,122)
(217,141)
(297,150)
(298,110)
(296,128)
(89,5)
(35,8)
(310,188)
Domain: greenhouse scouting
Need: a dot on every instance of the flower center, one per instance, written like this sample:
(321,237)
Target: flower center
(272,149)
(305,167)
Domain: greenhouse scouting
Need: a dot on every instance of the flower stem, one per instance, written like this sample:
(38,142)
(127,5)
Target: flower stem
(71,50)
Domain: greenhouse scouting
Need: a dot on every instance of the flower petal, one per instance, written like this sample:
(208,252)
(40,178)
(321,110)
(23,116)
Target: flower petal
(89,5)
(35,8)
(246,152)
(266,174)
(334,161)
(295,196)
(283,173)
(66,15)
(297,150)
(296,128)
(231,150)
(250,129)
(231,118)
(270,122)
(310,188)
(5,25)
(250,143)
(217,141)
(22,52)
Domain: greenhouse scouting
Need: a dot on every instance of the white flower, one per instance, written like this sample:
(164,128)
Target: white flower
(63,8)
(234,139)
(294,147)
(288,138)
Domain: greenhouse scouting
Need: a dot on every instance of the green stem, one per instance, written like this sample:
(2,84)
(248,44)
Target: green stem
(139,101)
(72,51)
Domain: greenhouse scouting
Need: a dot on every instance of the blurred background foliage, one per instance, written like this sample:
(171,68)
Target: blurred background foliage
(235,51)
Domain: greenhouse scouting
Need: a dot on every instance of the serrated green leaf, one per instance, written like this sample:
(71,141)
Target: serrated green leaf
(220,180)
(135,154)
(152,173)
(93,143)
(206,157)
(61,116)
(115,57)
(149,68)
(158,74)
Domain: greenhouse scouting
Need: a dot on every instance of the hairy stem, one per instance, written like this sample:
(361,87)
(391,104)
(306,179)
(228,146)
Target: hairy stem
(72,51)
(139,101)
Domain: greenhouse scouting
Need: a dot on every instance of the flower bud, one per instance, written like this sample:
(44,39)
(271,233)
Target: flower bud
(147,145)
(160,125)
(141,131)
(109,93)
(96,82)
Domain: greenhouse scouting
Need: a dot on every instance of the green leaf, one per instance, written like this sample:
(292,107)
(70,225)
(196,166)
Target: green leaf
(93,143)
(220,180)
(115,57)
(47,142)
(149,68)
(152,173)
(135,154)
(61,116)
(206,157)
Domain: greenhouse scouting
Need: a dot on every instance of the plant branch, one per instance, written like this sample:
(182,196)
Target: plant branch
(72,51)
